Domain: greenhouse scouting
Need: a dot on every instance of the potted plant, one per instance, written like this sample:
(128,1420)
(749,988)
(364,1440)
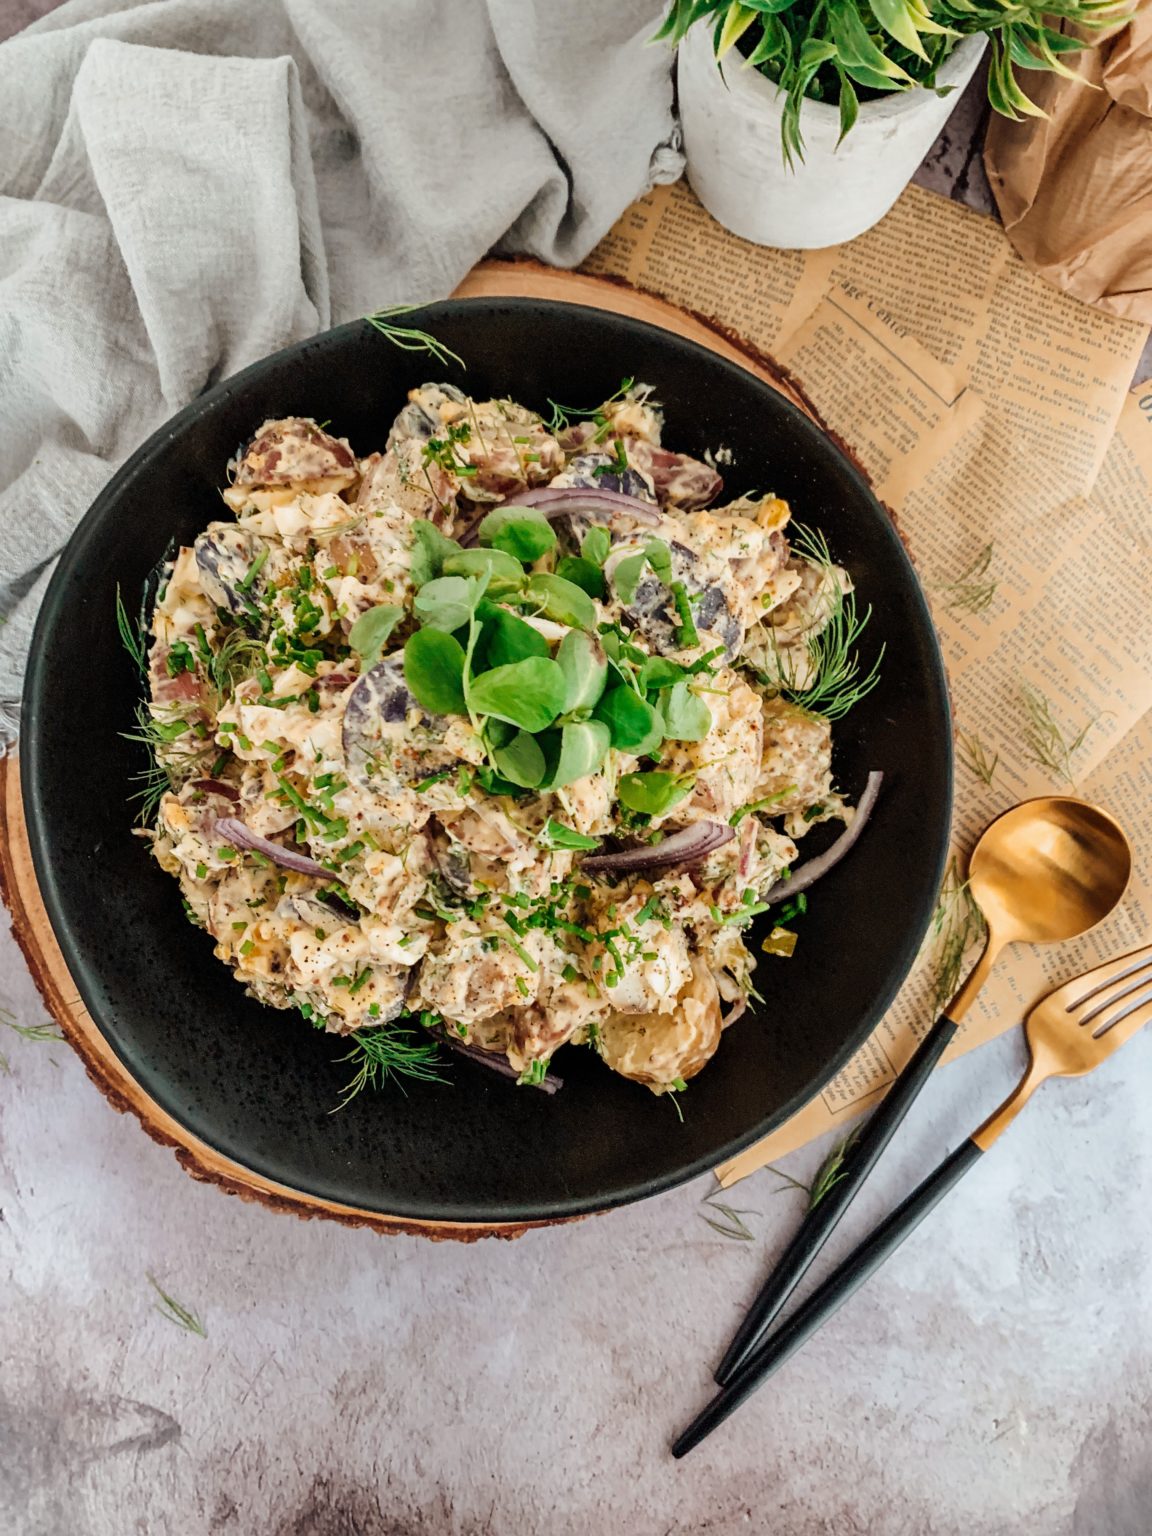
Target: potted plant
(809,137)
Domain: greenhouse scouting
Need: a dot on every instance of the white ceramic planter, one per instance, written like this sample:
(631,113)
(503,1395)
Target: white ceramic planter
(736,166)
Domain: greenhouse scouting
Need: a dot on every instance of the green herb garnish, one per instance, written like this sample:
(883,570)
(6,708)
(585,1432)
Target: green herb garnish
(250,575)
(369,635)
(133,636)
(1046,742)
(430,549)
(974,755)
(556,835)
(596,546)
(560,600)
(528,693)
(407,339)
(388,1052)
(618,465)
(651,794)
(175,1313)
(434,671)
(633,723)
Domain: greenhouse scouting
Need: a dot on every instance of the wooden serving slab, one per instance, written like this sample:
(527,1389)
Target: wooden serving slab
(33,931)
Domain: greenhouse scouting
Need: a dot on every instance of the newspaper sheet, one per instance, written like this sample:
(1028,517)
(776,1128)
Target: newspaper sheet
(995,418)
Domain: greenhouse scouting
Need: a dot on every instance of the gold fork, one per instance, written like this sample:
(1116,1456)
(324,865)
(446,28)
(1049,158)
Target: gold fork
(1069,1032)
(1077,1027)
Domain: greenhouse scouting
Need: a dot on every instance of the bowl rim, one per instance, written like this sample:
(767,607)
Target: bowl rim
(77,552)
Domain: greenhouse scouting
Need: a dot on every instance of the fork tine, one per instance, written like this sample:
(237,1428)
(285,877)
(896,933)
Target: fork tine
(1104,978)
(1118,1029)
(1108,996)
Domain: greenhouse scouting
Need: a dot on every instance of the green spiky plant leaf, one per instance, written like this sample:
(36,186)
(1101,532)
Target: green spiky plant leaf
(843,52)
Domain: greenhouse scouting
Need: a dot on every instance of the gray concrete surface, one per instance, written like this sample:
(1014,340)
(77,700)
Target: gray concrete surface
(996,1377)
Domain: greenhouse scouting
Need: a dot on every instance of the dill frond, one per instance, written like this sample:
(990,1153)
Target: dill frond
(838,681)
(732,1225)
(133,636)
(380,1054)
(957,924)
(974,755)
(175,1313)
(1045,740)
(973,590)
(171,759)
(30,1031)
(832,1169)
(239,656)
(789,1181)
(409,340)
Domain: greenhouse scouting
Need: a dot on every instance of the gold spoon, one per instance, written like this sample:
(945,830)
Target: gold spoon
(1048,869)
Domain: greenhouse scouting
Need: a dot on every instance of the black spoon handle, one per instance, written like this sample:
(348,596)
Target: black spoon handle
(835,1291)
(821,1221)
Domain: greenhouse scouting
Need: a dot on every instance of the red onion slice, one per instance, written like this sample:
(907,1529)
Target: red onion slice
(688,846)
(809,873)
(737,1011)
(563,500)
(559,501)
(498,1064)
(233,831)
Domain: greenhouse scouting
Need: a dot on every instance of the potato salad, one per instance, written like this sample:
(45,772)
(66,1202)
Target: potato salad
(497,737)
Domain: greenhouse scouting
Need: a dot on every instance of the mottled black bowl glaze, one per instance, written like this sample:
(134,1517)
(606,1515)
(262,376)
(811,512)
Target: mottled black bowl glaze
(258,1084)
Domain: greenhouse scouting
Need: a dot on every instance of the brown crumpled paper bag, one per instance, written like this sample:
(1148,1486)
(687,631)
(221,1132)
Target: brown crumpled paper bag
(1075,189)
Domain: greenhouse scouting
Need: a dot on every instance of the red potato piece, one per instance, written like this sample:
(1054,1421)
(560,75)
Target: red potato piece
(401,481)
(680,481)
(292,451)
(179,689)
(510,454)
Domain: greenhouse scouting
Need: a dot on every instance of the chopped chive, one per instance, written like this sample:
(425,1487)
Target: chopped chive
(687,634)
(245,582)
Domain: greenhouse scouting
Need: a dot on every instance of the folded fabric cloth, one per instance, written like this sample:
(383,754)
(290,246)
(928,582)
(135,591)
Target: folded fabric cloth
(186,185)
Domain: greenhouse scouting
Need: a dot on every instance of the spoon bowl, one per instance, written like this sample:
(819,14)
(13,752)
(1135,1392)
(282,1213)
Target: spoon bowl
(1049,869)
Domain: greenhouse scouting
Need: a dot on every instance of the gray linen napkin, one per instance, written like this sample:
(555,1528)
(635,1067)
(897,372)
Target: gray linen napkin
(186,185)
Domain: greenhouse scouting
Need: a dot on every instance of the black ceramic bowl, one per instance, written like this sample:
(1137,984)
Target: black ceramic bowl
(258,1084)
